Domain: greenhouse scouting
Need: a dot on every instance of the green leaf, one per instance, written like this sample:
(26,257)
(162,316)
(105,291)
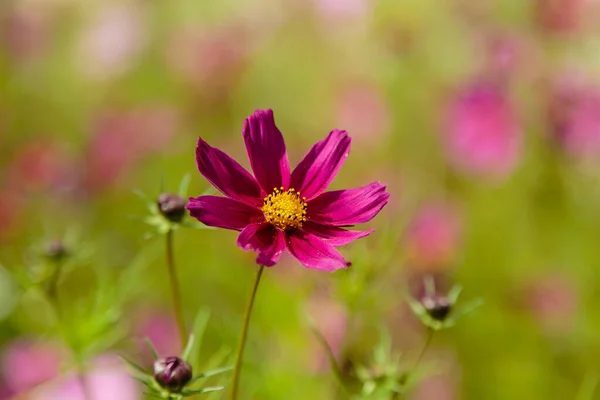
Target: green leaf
(184,185)
(210,373)
(134,365)
(188,348)
(190,392)
(152,348)
(454,293)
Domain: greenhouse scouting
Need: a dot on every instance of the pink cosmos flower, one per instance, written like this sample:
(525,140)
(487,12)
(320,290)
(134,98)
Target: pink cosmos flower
(483,134)
(277,210)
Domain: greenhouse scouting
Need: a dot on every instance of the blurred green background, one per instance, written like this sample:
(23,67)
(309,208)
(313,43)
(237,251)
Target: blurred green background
(483,117)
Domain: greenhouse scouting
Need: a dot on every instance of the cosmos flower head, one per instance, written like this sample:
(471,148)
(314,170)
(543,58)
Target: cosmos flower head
(277,209)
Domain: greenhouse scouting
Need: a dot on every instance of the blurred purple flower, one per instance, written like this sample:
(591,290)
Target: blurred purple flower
(107,379)
(483,135)
(276,209)
(574,114)
(363,107)
(121,138)
(433,237)
(111,42)
(27,363)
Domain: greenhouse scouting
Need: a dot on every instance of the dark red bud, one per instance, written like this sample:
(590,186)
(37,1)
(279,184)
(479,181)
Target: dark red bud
(172,373)
(172,206)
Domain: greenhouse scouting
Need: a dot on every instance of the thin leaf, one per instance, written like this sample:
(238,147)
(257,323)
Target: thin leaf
(210,373)
(152,348)
(184,185)
(188,348)
(190,392)
(134,365)
(454,293)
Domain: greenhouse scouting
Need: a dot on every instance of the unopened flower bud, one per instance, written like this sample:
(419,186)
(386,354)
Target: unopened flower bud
(437,307)
(172,206)
(56,250)
(172,373)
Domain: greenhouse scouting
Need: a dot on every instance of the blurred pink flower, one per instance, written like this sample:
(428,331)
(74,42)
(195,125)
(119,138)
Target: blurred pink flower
(120,139)
(574,114)
(331,319)
(433,237)
(561,16)
(27,363)
(25,31)
(107,379)
(40,165)
(111,42)
(482,134)
(553,301)
(210,60)
(10,209)
(363,108)
(161,329)
(343,11)
(436,387)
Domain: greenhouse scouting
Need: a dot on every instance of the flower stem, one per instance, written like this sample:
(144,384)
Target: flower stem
(412,371)
(175,292)
(235,379)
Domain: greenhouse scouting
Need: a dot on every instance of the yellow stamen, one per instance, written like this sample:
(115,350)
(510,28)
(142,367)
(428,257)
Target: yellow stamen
(285,209)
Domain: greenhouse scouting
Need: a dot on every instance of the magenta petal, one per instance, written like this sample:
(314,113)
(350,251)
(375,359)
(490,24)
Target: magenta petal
(265,240)
(266,150)
(321,164)
(334,235)
(314,253)
(226,174)
(348,207)
(223,212)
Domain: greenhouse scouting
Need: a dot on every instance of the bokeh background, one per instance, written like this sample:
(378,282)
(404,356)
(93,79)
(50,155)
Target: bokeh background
(483,117)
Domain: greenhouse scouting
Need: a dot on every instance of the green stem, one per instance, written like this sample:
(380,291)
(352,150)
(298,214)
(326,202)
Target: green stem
(235,379)
(412,371)
(175,291)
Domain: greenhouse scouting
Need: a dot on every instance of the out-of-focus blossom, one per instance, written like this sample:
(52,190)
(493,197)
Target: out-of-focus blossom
(10,209)
(433,237)
(40,165)
(341,12)
(107,379)
(112,41)
(331,319)
(278,209)
(574,115)
(363,108)
(553,301)
(27,363)
(482,133)
(435,387)
(211,60)
(25,31)
(502,57)
(161,329)
(120,139)
(561,16)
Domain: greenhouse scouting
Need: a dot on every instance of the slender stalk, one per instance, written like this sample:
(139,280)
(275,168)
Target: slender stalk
(52,295)
(337,370)
(175,292)
(412,371)
(235,379)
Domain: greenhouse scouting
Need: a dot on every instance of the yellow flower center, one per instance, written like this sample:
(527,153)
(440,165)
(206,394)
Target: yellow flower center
(285,209)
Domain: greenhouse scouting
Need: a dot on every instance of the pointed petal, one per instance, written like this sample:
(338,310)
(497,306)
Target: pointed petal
(223,212)
(226,174)
(267,241)
(266,151)
(321,164)
(348,207)
(334,235)
(314,253)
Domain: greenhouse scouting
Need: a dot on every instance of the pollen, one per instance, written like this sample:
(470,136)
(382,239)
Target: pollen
(285,209)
